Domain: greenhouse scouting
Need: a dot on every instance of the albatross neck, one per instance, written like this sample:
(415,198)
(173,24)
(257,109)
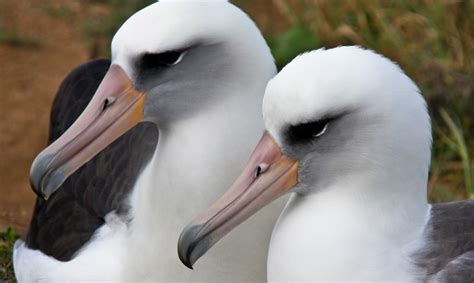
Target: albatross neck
(357,229)
(199,157)
(195,161)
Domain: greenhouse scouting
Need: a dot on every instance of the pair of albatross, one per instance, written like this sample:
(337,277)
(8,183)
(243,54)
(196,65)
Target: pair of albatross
(347,132)
(198,71)
(349,135)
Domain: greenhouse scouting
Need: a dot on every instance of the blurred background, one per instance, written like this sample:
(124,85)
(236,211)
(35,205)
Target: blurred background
(41,41)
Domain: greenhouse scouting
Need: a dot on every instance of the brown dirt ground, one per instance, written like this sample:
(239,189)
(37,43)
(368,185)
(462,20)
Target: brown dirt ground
(29,77)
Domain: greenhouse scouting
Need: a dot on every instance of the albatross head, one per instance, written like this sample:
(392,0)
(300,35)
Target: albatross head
(333,118)
(170,61)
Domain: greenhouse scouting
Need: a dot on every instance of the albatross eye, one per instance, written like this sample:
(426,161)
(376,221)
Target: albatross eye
(156,60)
(307,131)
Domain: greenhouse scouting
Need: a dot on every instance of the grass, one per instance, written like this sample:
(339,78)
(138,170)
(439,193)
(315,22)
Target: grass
(12,37)
(457,144)
(60,11)
(16,39)
(7,240)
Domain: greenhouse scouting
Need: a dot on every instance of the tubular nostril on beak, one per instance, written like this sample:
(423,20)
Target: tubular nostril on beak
(107,102)
(261,168)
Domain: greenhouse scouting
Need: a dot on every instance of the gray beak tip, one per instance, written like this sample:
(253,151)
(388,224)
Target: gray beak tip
(43,180)
(185,245)
(191,246)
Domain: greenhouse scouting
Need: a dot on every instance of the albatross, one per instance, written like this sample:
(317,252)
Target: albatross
(348,134)
(198,71)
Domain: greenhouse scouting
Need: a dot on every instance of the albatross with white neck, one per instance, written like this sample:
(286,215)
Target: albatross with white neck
(349,135)
(198,70)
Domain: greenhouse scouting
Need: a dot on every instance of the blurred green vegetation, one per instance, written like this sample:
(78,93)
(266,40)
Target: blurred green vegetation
(7,240)
(432,40)
(12,37)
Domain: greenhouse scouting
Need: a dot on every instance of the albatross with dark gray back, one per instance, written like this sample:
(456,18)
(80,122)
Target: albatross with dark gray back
(448,255)
(65,222)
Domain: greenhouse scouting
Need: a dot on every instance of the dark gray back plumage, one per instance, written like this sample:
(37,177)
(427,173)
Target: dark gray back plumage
(448,255)
(61,225)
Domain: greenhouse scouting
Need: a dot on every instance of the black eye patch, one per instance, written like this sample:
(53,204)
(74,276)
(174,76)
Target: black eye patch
(305,132)
(160,60)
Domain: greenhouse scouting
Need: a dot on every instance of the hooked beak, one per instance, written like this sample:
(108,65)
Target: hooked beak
(268,175)
(115,108)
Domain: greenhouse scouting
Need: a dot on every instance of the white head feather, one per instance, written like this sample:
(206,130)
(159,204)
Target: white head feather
(176,24)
